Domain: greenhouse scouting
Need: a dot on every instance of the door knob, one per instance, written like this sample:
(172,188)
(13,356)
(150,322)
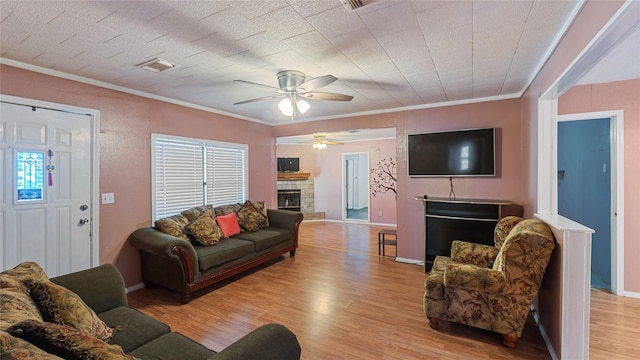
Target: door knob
(83,221)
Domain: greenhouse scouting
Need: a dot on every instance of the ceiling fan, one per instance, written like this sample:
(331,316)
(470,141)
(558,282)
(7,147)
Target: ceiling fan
(293,89)
(320,142)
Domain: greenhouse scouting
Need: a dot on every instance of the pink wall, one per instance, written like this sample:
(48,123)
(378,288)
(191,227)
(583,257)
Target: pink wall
(126,124)
(504,115)
(306,154)
(621,95)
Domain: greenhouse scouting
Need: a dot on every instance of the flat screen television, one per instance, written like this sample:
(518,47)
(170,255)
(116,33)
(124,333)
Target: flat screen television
(452,153)
(288,164)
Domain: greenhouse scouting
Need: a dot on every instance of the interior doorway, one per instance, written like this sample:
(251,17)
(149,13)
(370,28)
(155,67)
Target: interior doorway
(355,198)
(584,187)
(597,136)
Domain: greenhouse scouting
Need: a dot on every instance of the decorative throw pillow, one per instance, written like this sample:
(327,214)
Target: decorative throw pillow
(15,303)
(262,208)
(16,348)
(205,230)
(62,306)
(249,218)
(228,224)
(226,209)
(66,341)
(173,225)
(195,212)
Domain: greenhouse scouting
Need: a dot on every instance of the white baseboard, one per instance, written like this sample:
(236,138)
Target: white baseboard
(409,261)
(134,287)
(361,222)
(631,294)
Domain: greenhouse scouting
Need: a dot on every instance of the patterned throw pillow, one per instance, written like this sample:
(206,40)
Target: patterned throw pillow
(205,230)
(195,212)
(15,303)
(16,348)
(66,341)
(173,225)
(249,218)
(226,209)
(64,307)
(229,224)
(262,208)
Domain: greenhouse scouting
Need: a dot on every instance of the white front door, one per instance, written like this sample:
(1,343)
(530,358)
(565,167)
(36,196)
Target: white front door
(45,214)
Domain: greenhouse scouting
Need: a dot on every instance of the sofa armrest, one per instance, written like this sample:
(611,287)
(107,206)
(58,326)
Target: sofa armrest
(156,242)
(475,254)
(285,219)
(268,342)
(472,277)
(101,288)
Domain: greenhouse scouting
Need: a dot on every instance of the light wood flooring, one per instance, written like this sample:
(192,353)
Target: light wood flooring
(343,301)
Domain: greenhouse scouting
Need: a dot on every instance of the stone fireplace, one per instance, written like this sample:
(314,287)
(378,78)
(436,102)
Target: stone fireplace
(305,190)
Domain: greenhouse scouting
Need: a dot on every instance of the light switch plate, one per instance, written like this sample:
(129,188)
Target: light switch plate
(108,198)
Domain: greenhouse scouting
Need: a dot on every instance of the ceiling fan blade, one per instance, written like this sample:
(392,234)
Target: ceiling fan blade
(327,96)
(257,99)
(263,85)
(317,83)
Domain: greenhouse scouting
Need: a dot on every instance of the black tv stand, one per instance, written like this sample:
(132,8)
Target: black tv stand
(471,220)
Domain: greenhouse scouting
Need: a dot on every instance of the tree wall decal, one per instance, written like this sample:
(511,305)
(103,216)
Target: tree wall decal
(384,177)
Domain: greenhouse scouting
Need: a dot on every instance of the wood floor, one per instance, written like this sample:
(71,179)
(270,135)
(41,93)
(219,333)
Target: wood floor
(343,301)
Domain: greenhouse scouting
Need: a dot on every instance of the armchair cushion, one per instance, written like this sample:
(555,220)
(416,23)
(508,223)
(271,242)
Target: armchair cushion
(472,253)
(472,277)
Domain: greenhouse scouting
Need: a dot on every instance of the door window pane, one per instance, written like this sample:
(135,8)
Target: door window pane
(30,175)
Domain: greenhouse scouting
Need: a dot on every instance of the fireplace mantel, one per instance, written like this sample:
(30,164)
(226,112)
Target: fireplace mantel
(284,176)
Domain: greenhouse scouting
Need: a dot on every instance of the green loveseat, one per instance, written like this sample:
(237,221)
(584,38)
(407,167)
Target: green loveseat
(184,265)
(139,336)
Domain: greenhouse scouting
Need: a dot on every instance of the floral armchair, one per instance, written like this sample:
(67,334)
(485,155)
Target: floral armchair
(491,288)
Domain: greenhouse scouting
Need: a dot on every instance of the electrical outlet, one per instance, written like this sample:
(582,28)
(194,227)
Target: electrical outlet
(380,213)
(108,198)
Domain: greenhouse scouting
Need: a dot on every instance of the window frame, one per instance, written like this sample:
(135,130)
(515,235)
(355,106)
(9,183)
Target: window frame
(205,145)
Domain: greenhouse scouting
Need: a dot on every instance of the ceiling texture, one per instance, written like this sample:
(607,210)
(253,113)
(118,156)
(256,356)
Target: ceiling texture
(389,55)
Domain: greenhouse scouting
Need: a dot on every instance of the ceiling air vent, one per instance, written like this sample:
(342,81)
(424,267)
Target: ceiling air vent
(352,5)
(157,65)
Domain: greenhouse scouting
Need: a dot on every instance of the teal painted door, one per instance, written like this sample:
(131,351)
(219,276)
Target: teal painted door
(584,187)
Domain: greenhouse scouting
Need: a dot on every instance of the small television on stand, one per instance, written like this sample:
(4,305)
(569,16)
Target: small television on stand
(452,153)
(288,165)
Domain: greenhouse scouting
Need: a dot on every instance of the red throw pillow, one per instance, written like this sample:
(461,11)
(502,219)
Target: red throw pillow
(229,224)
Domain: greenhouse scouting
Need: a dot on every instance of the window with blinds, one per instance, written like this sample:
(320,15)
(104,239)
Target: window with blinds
(191,172)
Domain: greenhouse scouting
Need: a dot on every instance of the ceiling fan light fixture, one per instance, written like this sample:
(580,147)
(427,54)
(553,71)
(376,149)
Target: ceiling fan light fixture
(286,107)
(302,106)
(319,145)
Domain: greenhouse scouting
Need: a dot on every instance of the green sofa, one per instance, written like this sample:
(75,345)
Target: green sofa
(184,265)
(139,336)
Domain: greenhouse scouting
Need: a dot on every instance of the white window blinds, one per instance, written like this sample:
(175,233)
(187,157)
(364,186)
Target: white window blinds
(191,172)
(225,175)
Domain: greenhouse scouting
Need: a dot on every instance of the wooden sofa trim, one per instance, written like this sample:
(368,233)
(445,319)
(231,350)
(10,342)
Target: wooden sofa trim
(187,266)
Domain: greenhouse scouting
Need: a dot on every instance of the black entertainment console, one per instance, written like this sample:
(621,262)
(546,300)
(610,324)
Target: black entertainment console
(472,220)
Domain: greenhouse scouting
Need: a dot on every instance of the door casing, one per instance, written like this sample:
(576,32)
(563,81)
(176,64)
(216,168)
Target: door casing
(94,118)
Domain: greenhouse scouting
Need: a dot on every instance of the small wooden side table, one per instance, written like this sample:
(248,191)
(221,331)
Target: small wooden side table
(383,240)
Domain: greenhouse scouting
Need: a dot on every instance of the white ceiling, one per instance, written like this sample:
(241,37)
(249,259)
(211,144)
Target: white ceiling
(389,54)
